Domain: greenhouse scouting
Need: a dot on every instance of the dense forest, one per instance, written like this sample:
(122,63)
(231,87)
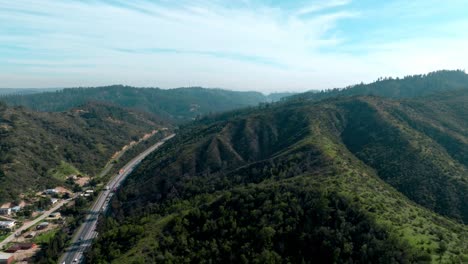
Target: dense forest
(343,180)
(181,104)
(37,148)
(407,87)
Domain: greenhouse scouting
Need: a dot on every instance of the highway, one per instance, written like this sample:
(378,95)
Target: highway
(86,232)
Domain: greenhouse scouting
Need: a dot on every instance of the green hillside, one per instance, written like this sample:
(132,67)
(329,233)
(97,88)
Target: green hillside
(407,87)
(181,104)
(38,150)
(355,179)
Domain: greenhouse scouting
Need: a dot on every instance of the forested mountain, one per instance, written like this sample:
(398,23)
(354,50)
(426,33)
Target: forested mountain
(34,145)
(180,104)
(343,180)
(408,87)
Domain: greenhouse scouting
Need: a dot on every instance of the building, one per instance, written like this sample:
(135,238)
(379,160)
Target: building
(53,200)
(7,225)
(20,246)
(13,249)
(25,246)
(42,225)
(16,209)
(50,191)
(89,191)
(5,211)
(6,258)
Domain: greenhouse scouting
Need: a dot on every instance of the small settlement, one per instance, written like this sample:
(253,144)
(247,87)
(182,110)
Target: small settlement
(14,215)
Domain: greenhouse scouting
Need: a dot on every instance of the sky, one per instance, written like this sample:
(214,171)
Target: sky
(265,45)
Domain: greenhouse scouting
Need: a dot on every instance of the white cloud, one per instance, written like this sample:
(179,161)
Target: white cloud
(320,6)
(85,38)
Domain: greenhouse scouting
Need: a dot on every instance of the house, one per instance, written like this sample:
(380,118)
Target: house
(20,246)
(25,246)
(5,211)
(16,209)
(42,225)
(7,225)
(6,258)
(50,191)
(13,249)
(53,200)
(89,191)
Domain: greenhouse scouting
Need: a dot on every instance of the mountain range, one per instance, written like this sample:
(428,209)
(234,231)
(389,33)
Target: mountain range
(371,173)
(175,105)
(342,178)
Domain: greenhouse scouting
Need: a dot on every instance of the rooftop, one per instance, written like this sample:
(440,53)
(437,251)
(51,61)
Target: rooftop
(5,255)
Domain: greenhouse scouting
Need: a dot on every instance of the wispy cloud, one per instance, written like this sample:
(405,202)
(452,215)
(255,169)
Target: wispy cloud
(321,6)
(221,55)
(264,45)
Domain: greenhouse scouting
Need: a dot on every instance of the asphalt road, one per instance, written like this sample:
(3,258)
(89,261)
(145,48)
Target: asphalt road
(86,232)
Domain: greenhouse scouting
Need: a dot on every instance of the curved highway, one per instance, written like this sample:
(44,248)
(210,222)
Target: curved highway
(86,232)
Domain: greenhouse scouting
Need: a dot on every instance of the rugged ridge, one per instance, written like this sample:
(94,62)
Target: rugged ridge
(398,164)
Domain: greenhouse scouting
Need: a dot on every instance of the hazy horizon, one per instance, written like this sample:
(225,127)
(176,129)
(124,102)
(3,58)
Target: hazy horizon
(266,46)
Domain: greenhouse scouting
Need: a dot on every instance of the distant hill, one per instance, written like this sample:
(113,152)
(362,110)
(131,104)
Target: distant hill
(350,179)
(181,104)
(274,97)
(408,87)
(35,145)
(17,91)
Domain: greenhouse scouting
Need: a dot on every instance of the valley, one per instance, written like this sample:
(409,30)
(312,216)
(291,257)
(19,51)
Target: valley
(233,132)
(393,167)
(331,178)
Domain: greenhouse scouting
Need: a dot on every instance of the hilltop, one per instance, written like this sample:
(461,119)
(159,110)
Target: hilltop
(408,87)
(177,105)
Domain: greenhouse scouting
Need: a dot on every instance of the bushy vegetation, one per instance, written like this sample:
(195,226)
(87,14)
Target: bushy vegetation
(412,147)
(38,150)
(276,223)
(345,180)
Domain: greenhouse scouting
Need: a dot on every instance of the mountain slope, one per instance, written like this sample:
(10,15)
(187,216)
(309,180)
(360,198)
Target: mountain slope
(343,179)
(408,87)
(180,104)
(413,147)
(35,146)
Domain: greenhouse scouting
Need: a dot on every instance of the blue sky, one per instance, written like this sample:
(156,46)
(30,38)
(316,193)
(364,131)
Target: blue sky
(267,45)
